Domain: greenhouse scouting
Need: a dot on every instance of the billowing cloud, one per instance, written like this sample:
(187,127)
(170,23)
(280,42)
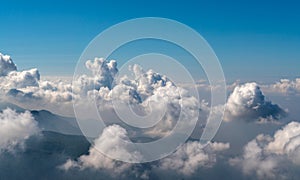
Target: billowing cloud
(287,142)
(272,157)
(26,89)
(15,128)
(247,102)
(21,79)
(186,160)
(6,65)
(112,141)
(103,74)
(192,156)
(11,78)
(147,92)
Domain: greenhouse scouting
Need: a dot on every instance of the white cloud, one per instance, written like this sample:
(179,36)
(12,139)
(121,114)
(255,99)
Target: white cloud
(11,78)
(21,79)
(287,142)
(25,89)
(186,160)
(15,128)
(247,102)
(270,157)
(6,65)
(150,93)
(103,74)
(111,141)
(285,86)
(192,156)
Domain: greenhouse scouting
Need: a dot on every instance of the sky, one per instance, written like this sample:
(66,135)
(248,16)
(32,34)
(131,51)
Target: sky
(253,40)
(147,124)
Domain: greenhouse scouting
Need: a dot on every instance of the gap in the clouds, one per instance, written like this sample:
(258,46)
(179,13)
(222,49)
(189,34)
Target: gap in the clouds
(239,133)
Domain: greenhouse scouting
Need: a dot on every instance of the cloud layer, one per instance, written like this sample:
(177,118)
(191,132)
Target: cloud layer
(185,161)
(285,86)
(26,89)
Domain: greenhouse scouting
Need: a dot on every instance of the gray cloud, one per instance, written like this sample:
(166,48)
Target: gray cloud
(15,128)
(247,102)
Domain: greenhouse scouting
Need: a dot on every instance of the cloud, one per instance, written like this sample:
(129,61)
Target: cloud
(149,93)
(192,156)
(11,78)
(285,86)
(6,65)
(247,102)
(21,79)
(26,89)
(186,160)
(111,141)
(15,128)
(272,157)
(287,142)
(103,74)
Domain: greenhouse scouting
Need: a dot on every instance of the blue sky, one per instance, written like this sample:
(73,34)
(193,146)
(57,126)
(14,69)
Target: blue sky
(254,40)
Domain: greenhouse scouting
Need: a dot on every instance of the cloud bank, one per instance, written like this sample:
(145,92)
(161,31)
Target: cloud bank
(26,89)
(185,161)
(147,92)
(286,87)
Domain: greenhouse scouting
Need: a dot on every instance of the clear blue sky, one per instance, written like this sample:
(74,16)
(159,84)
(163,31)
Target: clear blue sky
(253,39)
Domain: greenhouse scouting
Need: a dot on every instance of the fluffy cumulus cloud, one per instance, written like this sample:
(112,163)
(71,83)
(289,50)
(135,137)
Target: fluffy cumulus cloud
(103,74)
(6,65)
(147,92)
(15,128)
(186,160)
(21,79)
(111,142)
(26,89)
(192,156)
(272,157)
(247,102)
